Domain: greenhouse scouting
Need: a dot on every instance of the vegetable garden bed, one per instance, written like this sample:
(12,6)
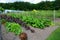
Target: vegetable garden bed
(13,22)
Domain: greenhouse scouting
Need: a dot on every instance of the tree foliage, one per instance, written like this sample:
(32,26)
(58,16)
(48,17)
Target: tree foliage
(57,4)
(48,5)
(1,9)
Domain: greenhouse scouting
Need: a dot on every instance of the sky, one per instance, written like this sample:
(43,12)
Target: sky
(31,1)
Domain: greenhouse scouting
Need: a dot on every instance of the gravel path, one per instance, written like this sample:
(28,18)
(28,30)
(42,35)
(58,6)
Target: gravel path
(40,34)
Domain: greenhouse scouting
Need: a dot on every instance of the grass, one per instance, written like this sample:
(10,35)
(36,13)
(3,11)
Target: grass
(40,13)
(55,35)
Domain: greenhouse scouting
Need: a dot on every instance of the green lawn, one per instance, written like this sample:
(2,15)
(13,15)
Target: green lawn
(55,35)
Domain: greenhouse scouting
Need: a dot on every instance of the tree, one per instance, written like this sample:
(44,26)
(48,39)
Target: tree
(1,9)
(57,4)
(44,5)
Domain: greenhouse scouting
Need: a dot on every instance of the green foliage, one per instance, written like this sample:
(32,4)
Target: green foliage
(1,9)
(33,19)
(13,27)
(37,23)
(57,4)
(49,5)
(55,35)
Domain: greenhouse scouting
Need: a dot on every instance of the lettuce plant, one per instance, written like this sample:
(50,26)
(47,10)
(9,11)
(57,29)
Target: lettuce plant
(13,27)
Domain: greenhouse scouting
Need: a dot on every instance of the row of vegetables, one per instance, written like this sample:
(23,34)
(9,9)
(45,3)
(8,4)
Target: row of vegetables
(14,28)
(29,20)
(34,21)
(37,23)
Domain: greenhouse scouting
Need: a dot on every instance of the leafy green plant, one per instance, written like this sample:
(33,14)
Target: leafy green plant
(33,19)
(37,23)
(13,27)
